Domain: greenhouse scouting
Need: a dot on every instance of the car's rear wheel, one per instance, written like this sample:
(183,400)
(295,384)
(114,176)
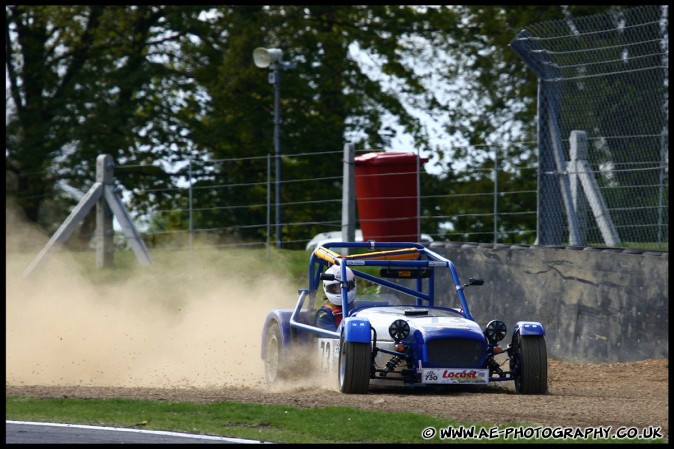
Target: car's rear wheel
(274,363)
(354,367)
(529,363)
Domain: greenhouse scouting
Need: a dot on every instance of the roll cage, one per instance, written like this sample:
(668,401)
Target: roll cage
(401,260)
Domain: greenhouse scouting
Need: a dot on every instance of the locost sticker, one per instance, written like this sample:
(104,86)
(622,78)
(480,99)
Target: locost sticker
(454,376)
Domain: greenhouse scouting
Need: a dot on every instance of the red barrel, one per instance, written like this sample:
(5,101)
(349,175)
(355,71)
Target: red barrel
(387,198)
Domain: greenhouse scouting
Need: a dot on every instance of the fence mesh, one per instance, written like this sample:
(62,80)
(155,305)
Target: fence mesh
(607,77)
(603,166)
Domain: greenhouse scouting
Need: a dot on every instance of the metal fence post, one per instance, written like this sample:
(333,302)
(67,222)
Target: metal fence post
(268,202)
(549,205)
(552,179)
(349,196)
(418,195)
(664,147)
(191,229)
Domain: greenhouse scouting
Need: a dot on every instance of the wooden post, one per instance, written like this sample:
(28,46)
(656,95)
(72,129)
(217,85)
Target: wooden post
(104,232)
(108,204)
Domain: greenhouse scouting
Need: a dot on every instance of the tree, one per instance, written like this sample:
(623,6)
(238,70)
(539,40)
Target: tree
(81,84)
(155,86)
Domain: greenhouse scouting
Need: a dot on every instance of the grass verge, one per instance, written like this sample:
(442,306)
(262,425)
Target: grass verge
(281,424)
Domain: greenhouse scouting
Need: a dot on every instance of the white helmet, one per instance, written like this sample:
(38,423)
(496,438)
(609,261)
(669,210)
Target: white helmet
(333,289)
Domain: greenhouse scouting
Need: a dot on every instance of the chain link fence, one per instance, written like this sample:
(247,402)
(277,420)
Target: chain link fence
(603,176)
(250,206)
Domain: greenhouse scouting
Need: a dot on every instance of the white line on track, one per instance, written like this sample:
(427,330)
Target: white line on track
(155,432)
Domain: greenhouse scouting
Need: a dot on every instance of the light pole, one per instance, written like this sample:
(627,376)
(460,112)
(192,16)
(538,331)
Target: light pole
(271,57)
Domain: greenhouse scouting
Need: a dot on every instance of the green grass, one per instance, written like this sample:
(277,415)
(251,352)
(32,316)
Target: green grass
(259,422)
(281,424)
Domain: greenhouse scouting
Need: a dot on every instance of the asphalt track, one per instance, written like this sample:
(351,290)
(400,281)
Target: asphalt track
(18,432)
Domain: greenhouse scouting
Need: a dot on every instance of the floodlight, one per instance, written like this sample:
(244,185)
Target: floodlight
(271,57)
(264,57)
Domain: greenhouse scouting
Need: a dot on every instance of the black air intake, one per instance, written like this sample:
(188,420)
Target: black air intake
(455,353)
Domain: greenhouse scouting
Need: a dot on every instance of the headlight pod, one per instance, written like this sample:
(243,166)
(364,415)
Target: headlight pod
(495,331)
(399,330)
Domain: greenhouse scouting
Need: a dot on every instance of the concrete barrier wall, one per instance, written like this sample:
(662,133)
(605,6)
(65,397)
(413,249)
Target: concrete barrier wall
(596,304)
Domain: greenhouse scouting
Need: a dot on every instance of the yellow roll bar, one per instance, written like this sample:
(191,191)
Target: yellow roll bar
(396,254)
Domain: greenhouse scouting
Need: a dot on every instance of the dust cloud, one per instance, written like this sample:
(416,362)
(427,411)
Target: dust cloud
(183,322)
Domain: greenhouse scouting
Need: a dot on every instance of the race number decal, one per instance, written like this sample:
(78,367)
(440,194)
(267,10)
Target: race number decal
(454,376)
(328,352)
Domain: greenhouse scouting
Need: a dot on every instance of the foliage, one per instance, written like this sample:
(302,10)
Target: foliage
(156,85)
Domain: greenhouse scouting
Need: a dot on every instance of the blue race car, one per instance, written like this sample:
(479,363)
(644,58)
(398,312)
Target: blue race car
(393,332)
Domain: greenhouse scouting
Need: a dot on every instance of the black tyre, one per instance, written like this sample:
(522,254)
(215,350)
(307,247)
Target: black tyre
(354,367)
(529,363)
(274,362)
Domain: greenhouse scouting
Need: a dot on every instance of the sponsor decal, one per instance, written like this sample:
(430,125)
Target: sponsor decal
(454,376)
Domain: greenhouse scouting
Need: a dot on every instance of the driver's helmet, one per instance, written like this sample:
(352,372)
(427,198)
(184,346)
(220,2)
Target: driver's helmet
(333,289)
